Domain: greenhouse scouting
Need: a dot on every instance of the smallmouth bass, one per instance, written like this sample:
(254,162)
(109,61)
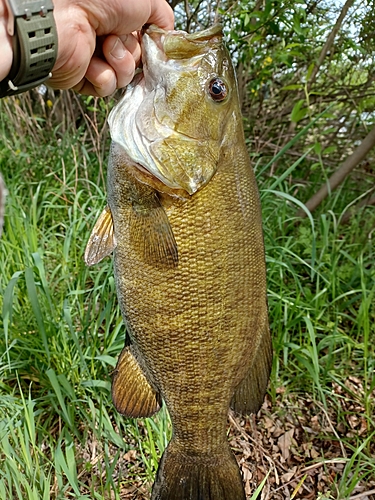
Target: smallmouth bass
(184,222)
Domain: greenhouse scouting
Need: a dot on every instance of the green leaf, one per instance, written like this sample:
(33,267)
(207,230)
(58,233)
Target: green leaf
(297,25)
(57,388)
(101,384)
(309,71)
(318,148)
(330,149)
(297,86)
(298,113)
(33,298)
(288,171)
(292,45)
(260,487)
(8,307)
(109,360)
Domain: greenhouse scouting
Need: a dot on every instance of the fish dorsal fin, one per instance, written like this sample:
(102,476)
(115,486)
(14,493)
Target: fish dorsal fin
(151,232)
(102,239)
(132,393)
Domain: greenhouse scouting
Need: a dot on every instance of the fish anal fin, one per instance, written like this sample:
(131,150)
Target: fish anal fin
(132,394)
(249,394)
(152,233)
(102,239)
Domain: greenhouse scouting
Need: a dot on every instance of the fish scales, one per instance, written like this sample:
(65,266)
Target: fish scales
(191,283)
(198,315)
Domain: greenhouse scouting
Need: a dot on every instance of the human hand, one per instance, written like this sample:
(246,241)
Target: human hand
(5,43)
(98,48)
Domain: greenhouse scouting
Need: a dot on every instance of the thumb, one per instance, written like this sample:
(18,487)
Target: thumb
(161,14)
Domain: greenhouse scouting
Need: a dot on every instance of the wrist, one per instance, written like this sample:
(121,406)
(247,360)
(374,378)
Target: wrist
(5,42)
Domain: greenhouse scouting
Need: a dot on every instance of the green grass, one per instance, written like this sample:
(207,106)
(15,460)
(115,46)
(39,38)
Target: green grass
(62,330)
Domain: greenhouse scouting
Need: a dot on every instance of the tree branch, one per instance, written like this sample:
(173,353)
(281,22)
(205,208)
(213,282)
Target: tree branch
(330,40)
(337,178)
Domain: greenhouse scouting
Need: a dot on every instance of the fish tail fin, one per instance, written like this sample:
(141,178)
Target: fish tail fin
(197,477)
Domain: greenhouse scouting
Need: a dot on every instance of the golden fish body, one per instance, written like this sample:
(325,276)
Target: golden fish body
(189,262)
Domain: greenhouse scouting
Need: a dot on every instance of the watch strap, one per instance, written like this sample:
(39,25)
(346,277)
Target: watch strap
(34,45)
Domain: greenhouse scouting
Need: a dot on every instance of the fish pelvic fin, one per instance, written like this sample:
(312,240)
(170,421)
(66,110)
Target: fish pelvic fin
(249,394)
(102,239)
(197,477)
(151,232)
(132,394)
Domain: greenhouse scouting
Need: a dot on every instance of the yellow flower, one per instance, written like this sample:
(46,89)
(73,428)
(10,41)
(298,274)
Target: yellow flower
(49,103)
(267,61)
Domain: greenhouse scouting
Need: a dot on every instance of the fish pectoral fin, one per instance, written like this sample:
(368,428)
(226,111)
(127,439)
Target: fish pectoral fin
(152,233)
(249,394)
(132,394)
(102,240)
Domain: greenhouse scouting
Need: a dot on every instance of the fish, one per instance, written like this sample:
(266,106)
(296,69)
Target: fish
(184,224)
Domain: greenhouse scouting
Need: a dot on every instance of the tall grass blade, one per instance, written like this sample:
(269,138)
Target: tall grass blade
(33,298)
(8,309)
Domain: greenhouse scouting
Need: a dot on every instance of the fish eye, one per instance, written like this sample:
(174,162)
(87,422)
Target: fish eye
(217,89)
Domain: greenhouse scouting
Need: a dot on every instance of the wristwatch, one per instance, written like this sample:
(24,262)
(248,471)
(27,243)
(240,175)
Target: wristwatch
(34,38)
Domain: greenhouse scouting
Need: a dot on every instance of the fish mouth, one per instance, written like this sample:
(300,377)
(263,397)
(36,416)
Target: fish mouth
(176,44)
(214,30)
(160,46)
(144,128)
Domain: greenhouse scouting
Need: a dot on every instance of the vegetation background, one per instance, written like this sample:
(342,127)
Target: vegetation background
(306,80)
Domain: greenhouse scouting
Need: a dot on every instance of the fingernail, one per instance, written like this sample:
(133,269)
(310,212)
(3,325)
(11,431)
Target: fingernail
(118,50)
